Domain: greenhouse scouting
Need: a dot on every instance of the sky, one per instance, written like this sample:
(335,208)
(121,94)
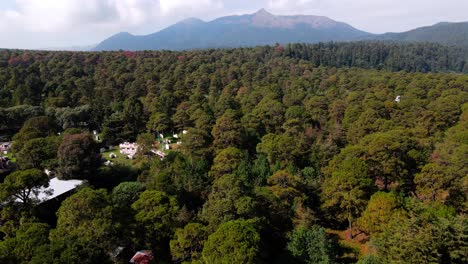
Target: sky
(29,24)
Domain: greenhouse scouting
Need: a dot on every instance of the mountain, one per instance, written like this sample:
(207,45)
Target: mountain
(260,28)
(443,33)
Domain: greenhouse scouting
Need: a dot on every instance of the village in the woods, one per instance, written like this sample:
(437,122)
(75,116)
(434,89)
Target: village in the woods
(303,153)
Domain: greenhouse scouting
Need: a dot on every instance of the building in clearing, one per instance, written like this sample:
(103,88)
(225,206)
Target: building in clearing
(129,149)
(57,188)
(5,147)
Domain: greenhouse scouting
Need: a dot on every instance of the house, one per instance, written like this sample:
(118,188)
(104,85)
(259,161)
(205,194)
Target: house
(128,149)
(5,147)
(142,257)
(49,199)
(57,188)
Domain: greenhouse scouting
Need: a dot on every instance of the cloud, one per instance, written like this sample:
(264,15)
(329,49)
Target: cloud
(78,22)
(292,4)
(39,23)
(169,6)
(63,15)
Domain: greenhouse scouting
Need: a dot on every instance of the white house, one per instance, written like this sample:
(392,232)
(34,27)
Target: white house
(129,149)
(56,188)
(5,147)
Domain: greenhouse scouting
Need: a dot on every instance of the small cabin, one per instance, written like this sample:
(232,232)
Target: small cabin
(5,147)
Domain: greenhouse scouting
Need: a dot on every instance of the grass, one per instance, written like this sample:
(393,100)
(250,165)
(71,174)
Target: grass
(10,156)
(121,158)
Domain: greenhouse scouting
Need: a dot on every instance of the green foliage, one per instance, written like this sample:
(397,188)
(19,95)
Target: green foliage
(227,132)
(85,216)
(289,135)
(39,153)
(126,193)
(145,143)
(444,178)
(381,55)
(133,116)
(158,122)
(35,127)
(226,162)
(233,242)
(346,190)
(156,213)
(227,201)
(181,175)
(392,155)
(29,240)
(188,243)
(311,245)
(64,250)
(78,157)
(23,186)
(424,238)
(381,209)
(369,259)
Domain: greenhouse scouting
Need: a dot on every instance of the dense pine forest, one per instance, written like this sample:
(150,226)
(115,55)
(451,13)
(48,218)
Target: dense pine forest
(325,153)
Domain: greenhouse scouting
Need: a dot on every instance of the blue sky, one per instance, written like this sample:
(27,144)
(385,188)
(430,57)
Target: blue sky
(64,23)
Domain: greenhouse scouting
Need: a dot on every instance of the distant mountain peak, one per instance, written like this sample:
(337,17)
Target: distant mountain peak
(263,18)
(263,12)
(259,28)
(191,20)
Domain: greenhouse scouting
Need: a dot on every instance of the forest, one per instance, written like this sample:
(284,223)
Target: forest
(324,153)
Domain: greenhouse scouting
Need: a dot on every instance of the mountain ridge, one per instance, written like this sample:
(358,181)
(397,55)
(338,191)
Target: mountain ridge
(259,28)
(264,28)
(448,33)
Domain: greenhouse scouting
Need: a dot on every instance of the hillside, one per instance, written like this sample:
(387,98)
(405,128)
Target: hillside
(264,28)
(443,33)
(289,155)
(260,28)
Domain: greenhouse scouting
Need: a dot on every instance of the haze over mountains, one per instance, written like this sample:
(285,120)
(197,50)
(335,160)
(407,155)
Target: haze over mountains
(264,28)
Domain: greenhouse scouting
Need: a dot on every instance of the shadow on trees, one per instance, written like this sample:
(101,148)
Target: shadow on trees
(109,177)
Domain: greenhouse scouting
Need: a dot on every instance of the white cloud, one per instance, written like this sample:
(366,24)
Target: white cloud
(168,6)
(77,22)
(62,15)
(291,4)
(63,21)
